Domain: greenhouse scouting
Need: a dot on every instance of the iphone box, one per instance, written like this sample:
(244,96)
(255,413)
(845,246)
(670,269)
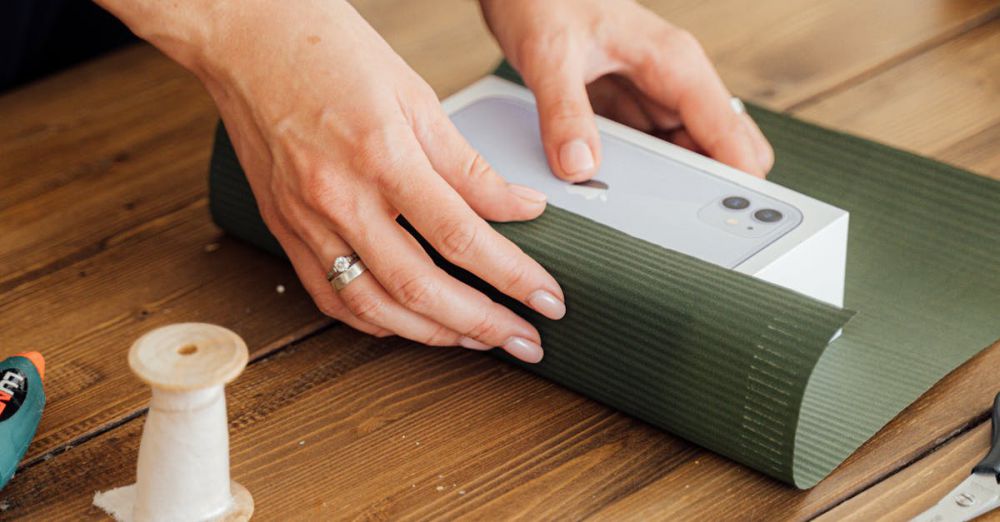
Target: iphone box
(667,195)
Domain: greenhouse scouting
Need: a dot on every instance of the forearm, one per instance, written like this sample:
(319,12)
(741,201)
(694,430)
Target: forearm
(210,36)
(235,47)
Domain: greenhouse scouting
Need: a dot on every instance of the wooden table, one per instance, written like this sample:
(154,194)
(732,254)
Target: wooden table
(105,234)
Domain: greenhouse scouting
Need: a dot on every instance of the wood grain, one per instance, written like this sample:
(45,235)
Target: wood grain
(943,103)
(347,426)
(782,54)
(920,486)
(104,234)
(161,273)
(978,152)
(82,157)
(773,52)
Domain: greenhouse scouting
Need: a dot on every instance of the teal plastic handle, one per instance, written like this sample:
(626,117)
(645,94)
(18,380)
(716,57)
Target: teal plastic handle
(22,410)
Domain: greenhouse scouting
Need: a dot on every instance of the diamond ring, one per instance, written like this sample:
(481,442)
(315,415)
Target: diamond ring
(341,265)
(345,269)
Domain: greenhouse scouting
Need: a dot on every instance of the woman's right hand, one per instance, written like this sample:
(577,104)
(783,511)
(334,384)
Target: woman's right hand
(338,136)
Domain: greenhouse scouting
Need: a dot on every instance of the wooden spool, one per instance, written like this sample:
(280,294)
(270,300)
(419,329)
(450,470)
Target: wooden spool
(183,467)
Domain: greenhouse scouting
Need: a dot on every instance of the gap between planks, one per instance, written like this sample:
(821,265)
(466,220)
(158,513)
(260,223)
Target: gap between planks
(939,444)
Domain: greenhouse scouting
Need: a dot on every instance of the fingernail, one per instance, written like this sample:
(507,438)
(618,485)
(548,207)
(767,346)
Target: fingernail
(576,157)
(547,304)
(527,193)
(472,344)
(523,349)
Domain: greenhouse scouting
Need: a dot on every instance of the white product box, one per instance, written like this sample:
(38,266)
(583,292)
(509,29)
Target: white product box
(668,195)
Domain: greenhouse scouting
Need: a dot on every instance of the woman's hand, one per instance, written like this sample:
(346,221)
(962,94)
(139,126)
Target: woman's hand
(624,62)
(338,136)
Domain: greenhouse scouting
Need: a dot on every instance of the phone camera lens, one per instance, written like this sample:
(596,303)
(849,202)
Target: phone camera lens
(767,215)
(736,203)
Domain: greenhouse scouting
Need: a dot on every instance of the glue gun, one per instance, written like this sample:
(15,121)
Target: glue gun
(22,398)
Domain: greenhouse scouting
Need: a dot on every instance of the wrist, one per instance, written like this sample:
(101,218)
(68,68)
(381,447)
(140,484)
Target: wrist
(181,30)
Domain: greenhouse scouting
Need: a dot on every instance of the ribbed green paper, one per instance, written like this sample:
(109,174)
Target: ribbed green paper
(741,366)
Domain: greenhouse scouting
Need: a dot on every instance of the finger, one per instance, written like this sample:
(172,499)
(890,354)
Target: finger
(468,173)
(569,134)
(365,298)
(410,276)
(679,75)
(313,277)
(458,234)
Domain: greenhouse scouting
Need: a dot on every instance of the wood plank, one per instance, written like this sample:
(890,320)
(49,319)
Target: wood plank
(773,52)
(783,53)
(95,152)
(92,310)
(944,103)
(978,152)
(347,426)
(920,486)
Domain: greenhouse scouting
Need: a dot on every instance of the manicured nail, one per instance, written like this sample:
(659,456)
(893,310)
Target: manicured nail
(472,344)
(523,349)
(547,304)
(575,157)
(527,193)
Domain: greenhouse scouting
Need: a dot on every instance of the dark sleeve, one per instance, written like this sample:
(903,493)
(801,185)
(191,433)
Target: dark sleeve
(39,37)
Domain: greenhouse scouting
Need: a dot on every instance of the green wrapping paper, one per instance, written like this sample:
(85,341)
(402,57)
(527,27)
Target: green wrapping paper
(737,365)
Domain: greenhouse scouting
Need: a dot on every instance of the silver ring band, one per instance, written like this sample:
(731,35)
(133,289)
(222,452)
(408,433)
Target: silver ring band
(737,105)
(345,277)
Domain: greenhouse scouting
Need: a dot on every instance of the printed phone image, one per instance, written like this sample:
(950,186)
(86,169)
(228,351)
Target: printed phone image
(637,191)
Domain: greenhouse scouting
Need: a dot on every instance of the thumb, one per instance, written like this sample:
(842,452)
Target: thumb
(569,133)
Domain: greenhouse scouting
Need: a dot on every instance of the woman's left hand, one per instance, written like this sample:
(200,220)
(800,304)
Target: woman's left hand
(619,59)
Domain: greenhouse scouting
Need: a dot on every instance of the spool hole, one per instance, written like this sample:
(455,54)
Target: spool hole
(187,349)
